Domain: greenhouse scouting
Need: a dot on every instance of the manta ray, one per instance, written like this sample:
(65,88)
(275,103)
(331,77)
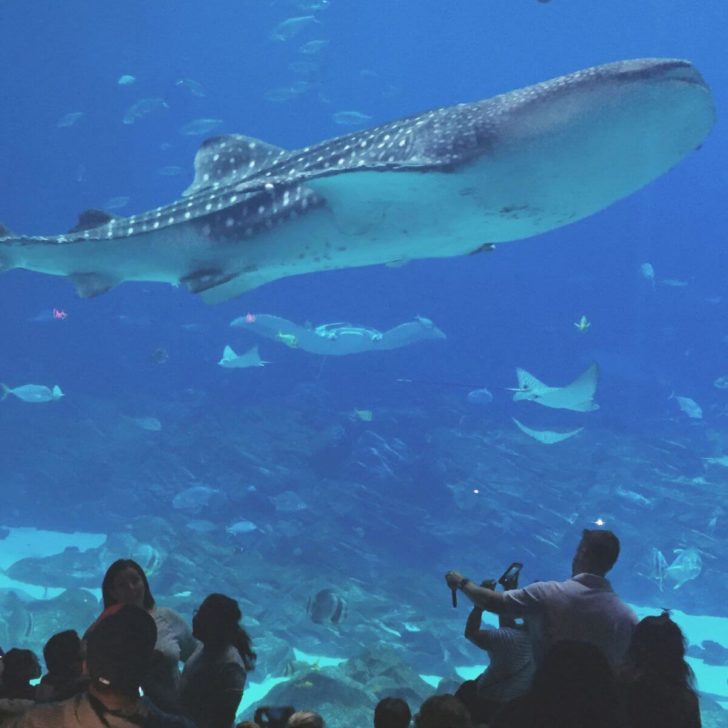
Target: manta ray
(448,182)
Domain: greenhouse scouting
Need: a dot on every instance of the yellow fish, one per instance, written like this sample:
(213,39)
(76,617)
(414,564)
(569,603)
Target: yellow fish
(364,415)
(582,324)
(290,340)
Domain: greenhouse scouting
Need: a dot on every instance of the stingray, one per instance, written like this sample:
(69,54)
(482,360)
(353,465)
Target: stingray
(577,396)
(251,358)
(447,182)
(546,437)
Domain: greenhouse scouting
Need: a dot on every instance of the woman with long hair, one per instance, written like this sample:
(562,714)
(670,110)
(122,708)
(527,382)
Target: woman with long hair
(214,677)
(126,583)
(657,684)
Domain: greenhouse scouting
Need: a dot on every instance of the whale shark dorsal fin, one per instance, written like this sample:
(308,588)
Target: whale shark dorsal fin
(228,354)
(90,219)
(528,383)
(225,159)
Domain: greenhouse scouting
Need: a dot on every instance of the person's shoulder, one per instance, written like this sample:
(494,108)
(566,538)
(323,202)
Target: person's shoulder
(166,613)
(27,714)
(544,588)
(171,617)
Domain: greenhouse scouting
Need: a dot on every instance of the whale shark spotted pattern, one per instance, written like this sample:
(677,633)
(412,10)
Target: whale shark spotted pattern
(447,182)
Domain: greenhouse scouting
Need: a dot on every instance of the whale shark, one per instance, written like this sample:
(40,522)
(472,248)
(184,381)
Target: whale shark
(447,182)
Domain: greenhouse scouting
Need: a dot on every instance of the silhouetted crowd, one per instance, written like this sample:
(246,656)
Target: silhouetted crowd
(567,654)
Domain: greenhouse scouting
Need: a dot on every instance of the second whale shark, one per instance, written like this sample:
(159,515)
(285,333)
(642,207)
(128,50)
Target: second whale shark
(443,183)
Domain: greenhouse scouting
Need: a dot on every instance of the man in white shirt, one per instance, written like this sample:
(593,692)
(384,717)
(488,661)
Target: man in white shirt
(583,608)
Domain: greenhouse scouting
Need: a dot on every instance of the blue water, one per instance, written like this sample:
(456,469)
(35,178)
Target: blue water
(77,464)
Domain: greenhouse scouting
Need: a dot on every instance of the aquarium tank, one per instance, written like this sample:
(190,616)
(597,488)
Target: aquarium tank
(310,302)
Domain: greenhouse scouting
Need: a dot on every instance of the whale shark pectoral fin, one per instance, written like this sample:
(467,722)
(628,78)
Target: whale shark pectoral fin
(206,278)
(89,285)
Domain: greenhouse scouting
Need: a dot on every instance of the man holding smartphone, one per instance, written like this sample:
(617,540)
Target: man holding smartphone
(583,608)
(511,665)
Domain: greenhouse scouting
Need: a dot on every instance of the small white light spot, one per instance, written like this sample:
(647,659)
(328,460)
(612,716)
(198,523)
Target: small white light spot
(229,222)
(170,221)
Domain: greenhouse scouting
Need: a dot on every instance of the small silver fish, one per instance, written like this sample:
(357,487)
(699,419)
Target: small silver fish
(291,27)
(150,424)
(69,119)
(313,47)
(240,527)
(198,127)
(194,87)
(282,94)
(351,118)
(33,393)
(690,407)
(116,203)
(142,108)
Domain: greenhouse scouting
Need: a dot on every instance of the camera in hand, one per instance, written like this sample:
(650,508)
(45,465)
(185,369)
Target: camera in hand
(268,717)
(509,578)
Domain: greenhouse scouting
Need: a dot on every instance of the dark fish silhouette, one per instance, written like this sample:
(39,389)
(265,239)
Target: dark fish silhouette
(326,607)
